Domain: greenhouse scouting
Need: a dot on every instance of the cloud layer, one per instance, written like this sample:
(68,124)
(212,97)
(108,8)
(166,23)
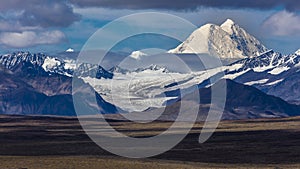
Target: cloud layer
(283,23)
(290,5)
(31,22)
(30,38)
(48,13)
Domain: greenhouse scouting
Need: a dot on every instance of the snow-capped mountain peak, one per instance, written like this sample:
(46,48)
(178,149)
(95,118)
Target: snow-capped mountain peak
(226,41)
(227,26)
(137,55)
(198,41)
(70,50)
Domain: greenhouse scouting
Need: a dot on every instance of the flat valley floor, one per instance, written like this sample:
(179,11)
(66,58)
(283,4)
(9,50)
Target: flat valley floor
(60,143)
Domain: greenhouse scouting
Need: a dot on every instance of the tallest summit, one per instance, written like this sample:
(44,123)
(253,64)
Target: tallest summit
(228,25)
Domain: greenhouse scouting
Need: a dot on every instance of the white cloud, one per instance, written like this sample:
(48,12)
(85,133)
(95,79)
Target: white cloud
(102,13)
(30,38)
(16,26)
(283,23)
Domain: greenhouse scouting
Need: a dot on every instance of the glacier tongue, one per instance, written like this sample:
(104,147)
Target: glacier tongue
(226,41)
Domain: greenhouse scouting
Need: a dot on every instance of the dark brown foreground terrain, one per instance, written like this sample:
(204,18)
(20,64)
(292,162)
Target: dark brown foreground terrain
(53,142)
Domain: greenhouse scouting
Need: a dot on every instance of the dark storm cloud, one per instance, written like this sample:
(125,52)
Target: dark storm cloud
(290,5)
(59,13)
(55,13)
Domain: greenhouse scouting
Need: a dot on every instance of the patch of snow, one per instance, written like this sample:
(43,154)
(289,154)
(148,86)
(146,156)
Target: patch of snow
(278,70)
(69,64)
(267,115)
(297,65)
(50,63)
(67,74)
(297,52)
(265,52)
(274,82)
(235,75)
(235,67)
(262,69)
(262,81)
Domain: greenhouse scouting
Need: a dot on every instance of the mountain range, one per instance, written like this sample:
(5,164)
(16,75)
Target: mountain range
(260,82)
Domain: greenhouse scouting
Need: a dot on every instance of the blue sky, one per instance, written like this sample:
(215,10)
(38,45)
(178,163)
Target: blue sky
(53,26)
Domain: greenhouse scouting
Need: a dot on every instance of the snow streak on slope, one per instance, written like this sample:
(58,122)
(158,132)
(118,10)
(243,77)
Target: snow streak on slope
(262,81)
(278,70)
(274,82)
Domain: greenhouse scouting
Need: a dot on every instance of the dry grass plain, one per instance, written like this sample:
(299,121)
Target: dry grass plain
(60,143)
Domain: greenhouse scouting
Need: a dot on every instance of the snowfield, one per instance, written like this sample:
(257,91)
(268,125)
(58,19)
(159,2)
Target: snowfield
(138,91)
